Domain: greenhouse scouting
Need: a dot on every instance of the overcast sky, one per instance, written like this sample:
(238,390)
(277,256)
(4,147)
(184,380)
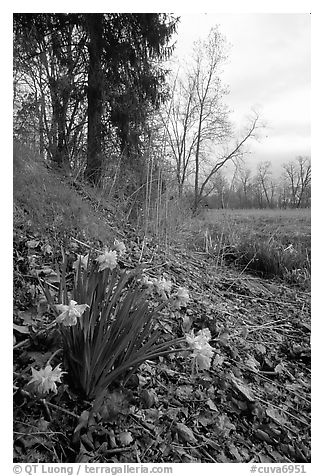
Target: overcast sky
(268,67)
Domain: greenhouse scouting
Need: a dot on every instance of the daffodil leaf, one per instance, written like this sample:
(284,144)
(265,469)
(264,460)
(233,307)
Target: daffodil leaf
(21,329)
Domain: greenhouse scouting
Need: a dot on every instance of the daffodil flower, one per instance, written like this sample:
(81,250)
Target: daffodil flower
(202,351)
(44,379)
(107,260)
(163,287)
(182,298)
(148,283)
(70,313)
(83,260)
(120,247)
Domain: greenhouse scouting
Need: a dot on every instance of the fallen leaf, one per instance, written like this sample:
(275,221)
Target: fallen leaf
(42,424)
(149,398)
(234,452)
(263,436)
(83,421)
(184,391)
(83,456)
(242,389)
(252,363)
(211,405)
(185,433)
(275,416)
(32,243)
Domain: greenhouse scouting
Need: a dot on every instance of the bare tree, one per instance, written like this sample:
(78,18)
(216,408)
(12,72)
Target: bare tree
(267,185)
(304,167)
(297,175)
(212,117)
(232,154)
(200,135)
(179,123)
(291,176)
(245,184)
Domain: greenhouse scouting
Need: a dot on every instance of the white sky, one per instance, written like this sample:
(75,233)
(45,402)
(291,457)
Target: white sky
(268,67)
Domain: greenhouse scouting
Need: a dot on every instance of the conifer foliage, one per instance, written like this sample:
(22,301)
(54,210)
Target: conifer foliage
(89,79)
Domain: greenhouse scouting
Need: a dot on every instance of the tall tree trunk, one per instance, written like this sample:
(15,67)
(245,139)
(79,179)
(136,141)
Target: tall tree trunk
(95,87)
(197,195)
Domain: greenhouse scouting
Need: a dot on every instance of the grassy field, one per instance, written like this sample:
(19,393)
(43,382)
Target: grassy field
(273,242)
(270,242)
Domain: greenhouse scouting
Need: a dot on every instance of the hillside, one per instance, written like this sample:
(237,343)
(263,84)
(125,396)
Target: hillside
(251,405)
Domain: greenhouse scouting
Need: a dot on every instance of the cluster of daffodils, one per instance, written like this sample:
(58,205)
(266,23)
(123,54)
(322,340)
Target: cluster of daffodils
(44,380)
(163,287)
(202,351)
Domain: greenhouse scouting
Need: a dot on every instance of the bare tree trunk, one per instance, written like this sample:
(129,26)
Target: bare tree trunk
(197,197)
(95,86)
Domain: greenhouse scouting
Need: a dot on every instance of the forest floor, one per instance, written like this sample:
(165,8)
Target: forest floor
(253,405)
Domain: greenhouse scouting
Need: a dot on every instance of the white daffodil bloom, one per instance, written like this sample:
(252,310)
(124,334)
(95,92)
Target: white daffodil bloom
(70,313)
(149,283)
(202,351)
(83,260)
(107,260)
(182,297)
(44,379)
(163,286)
(120,247)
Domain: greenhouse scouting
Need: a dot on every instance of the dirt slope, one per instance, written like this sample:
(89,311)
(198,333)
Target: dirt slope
(252,405)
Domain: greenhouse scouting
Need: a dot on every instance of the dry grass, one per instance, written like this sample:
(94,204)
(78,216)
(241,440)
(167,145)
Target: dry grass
(272,242)
(44,203)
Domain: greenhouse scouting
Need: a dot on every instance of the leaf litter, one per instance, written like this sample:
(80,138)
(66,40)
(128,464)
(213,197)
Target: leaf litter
(253,403)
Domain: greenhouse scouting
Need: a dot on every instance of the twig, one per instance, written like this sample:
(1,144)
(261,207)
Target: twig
(84,244)
(242,272)
(283,410)
(62,409)
(39,433)
(49,284)
(138,459)
(118,450)
(205,452)
(143,424)
(142,250)
(20,344)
